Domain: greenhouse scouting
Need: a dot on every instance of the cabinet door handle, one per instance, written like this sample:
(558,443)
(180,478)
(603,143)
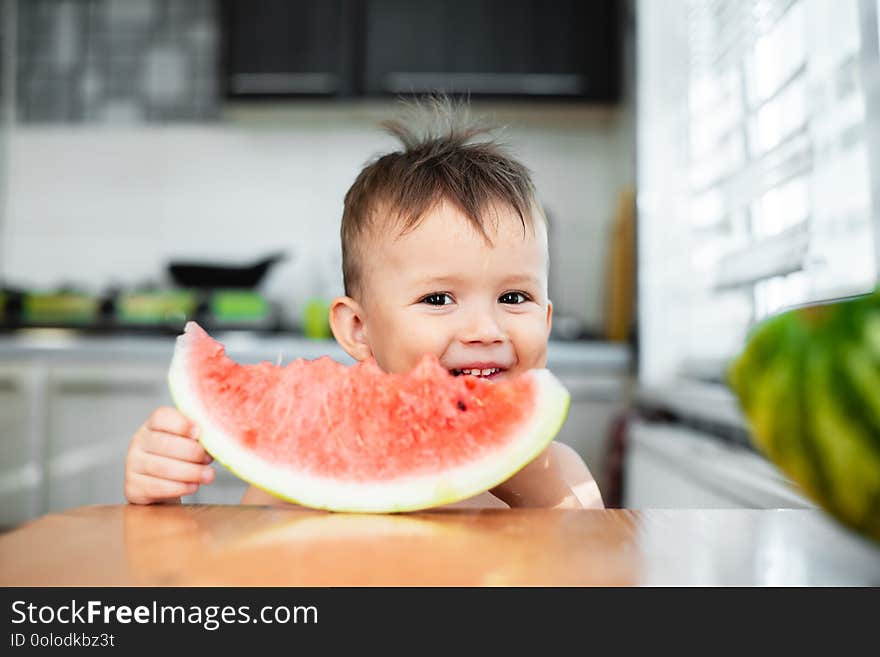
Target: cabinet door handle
(528,84)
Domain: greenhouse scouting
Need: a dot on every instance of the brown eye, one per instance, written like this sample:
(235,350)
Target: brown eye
(437,299)
(513,298)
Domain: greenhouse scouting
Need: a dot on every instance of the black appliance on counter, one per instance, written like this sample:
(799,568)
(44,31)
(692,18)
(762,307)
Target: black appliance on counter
(216,275)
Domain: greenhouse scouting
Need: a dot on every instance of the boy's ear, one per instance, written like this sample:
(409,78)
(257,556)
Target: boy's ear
(549,316)
(347,324)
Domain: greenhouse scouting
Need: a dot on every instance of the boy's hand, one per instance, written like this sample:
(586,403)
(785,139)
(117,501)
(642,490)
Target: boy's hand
(164,461)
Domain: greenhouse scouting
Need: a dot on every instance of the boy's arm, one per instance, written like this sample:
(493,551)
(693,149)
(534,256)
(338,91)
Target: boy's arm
(557,479)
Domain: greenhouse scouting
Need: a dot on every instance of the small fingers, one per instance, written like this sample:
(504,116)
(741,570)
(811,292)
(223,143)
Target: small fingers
(170,420)
(176,447)
(146,489)
(172,469)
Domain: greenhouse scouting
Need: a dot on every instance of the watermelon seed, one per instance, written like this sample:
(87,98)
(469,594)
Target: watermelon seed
(461,406)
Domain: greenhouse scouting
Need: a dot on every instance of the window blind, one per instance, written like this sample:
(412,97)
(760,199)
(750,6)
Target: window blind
(775,172)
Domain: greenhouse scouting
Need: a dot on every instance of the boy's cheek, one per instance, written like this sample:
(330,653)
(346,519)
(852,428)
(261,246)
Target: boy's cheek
(532,347)
(398,350)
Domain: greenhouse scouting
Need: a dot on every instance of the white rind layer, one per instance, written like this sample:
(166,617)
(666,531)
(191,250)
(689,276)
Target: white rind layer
(408,493)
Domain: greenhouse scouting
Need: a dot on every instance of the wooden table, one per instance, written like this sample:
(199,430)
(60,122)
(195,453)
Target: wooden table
(250,545)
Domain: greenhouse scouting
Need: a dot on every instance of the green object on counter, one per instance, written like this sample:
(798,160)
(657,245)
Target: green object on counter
(316,319)
(238,305)
(808,381)
(156,307)
(60,308)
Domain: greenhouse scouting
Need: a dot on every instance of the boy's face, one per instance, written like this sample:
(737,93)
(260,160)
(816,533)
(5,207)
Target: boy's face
(441,289)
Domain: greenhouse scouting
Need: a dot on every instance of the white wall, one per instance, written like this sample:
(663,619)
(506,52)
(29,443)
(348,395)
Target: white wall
(94,205)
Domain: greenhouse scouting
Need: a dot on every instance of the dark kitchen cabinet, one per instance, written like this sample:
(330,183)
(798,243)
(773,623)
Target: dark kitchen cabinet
(500,48)
(289,47)
(493,47)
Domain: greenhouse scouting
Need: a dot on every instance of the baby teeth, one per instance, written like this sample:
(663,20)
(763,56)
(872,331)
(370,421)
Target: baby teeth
(477,372)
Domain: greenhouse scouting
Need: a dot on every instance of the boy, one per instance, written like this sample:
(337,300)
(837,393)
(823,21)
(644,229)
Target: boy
(444,251)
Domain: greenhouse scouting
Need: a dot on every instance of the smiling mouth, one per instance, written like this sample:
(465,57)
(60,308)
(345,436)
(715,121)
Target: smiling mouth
(486,373)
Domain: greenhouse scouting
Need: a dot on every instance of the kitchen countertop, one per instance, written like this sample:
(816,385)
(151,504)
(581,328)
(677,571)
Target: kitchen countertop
(246,346)
(251,545)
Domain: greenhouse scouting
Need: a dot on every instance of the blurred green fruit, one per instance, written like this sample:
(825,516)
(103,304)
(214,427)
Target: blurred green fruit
(808,381)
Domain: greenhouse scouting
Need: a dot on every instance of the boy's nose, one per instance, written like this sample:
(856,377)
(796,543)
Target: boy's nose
(482,328)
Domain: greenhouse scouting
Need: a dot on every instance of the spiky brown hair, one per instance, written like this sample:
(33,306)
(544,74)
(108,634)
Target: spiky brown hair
(441,160)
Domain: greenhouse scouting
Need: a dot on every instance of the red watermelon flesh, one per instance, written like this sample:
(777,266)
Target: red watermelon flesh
(355,438)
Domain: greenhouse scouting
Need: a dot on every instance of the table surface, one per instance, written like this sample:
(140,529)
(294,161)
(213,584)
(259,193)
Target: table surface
(253,545)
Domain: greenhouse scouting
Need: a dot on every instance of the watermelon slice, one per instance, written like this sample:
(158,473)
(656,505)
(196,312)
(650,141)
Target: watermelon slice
(330,436)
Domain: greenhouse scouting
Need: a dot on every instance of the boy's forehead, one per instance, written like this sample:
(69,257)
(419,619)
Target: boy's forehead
(445,243)
(446,223)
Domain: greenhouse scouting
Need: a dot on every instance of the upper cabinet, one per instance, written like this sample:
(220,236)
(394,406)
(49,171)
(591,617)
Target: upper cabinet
(288,47)
(485,48)
(493,48)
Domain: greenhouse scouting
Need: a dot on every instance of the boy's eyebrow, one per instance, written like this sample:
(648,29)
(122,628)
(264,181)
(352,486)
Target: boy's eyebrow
(527,279)
(521,279)
(441,279)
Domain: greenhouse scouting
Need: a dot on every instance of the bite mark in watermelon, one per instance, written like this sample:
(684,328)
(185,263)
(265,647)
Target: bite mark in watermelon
(330,436)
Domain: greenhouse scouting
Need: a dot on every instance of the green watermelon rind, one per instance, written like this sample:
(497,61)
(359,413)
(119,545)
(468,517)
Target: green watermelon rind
(399,495)
(807,381)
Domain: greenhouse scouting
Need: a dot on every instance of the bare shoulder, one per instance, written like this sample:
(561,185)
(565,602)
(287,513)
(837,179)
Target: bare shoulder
(563,453)
(577,475)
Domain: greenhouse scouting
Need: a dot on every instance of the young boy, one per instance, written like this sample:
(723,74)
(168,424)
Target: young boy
(444,251)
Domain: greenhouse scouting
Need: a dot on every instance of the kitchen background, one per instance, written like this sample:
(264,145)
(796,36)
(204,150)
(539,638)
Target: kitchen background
(143,133)
(128,150)
(139,133)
